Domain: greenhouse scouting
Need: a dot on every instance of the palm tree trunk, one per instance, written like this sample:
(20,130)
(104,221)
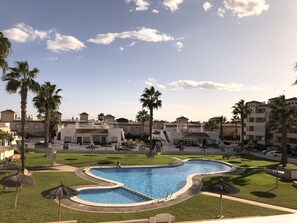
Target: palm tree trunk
(242,131)
(46,128)
(221,130)
(142,133)
(151,125)
(284,159)
(236,132)
(16,197)
(24,93)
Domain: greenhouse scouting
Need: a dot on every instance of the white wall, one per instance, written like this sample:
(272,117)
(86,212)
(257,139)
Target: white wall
(6,153)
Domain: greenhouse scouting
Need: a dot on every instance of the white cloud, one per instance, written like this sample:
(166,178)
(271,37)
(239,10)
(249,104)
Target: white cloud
(190,84)
(179,46)
(80,57)
(64,43)
(155,11)
(140,5)
(23,33)
(143,34)
(52,58)
(207,6)
(132,44)
(172,5)
(221,12)
(121,48)
(242,8)
(153,82)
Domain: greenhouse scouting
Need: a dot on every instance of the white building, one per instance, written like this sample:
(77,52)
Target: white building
(257,124)
(192,134)
(84,132)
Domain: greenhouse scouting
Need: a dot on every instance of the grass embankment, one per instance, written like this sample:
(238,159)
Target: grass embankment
(254,184)
(37,161)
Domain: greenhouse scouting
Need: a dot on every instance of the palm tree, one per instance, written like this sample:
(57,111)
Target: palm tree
(243,110)
(235,119)
(53,126)
(21,79)
(211,124)
(142,116)
(47,101)
(5,49)
(221,120)
(100,117)
(150,100)
(282,117)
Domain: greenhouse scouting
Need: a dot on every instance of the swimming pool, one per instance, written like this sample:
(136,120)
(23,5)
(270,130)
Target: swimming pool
(147,183)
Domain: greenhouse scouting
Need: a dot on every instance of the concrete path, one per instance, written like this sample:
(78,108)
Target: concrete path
(264,205)
(59,167)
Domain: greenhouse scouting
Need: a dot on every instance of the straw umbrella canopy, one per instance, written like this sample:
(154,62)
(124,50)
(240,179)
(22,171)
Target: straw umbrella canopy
(9,166)
(60,192)
(92,147)
(17,180)
(221,187)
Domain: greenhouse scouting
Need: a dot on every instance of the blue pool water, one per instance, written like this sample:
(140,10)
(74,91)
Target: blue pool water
(110,196)
(155,182)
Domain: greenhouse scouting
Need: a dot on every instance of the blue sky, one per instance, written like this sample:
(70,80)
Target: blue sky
(202,55)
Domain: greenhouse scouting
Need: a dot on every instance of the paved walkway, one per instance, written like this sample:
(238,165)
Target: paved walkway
(58,167)
(264,205)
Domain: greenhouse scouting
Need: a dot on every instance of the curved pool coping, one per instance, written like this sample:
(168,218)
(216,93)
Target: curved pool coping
(189,184)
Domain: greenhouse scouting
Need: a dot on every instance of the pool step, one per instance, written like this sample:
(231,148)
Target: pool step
(137,193)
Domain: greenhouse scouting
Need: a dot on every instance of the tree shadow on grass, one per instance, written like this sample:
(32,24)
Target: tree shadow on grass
(263,194)
(70,159)
(113,158)
(233,161)
(241,179)
(105,162)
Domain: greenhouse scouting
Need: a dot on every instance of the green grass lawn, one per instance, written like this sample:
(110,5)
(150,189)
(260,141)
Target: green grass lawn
(37,161)
(253,183)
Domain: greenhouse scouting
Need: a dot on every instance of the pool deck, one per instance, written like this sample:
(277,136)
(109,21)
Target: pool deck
(194,189)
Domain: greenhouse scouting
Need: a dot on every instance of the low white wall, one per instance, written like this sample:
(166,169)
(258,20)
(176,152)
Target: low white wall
(6,153)
(290,160)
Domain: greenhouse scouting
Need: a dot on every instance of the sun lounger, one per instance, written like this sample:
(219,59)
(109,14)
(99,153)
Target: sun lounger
(162,218)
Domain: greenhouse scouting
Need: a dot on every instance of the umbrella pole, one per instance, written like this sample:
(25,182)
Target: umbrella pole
(59,213)
(221,204)
(16,197)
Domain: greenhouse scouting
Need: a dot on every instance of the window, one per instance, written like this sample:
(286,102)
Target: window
(175,141)
(114,139)
(86,139)
(67,139)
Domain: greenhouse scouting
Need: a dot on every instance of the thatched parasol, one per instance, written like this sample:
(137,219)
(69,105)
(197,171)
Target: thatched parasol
(221,187)
(9,166)
(92,147)
(59,192)
(17,180)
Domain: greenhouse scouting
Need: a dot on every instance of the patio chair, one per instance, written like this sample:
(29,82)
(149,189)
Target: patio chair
(162,218)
